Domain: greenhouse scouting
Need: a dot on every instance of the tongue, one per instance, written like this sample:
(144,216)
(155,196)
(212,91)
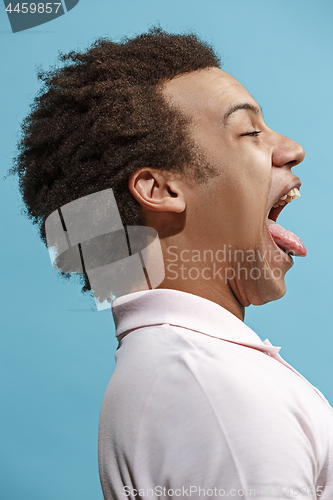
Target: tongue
(286,240)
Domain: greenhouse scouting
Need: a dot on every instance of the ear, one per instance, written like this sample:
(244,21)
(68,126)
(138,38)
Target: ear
(155,190)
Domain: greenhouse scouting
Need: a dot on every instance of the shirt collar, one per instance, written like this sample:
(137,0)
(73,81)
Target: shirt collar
(160,306)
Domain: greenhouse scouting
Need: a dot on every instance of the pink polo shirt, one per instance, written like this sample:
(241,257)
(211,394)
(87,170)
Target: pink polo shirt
(199,407)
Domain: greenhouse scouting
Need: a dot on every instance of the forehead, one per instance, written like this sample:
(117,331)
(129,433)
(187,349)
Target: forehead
(204,93)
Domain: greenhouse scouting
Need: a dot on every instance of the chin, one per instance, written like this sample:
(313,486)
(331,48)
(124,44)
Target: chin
(268,292)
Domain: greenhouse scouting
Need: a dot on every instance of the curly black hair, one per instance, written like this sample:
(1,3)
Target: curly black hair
(100,116)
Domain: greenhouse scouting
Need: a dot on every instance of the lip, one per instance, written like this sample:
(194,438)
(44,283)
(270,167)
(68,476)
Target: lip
(295,183)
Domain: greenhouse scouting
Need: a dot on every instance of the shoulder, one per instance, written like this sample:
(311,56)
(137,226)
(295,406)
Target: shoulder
(206,421)
(189,407)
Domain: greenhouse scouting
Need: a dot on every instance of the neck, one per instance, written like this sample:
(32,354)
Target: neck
(193,271)
(223,297)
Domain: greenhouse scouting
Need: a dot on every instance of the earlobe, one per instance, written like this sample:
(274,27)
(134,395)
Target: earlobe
(154,190)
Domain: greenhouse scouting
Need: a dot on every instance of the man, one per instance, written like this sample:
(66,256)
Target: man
(197,405)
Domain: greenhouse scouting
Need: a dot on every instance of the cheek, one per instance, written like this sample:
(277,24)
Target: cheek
(235,202)
(251,168)
(245,191)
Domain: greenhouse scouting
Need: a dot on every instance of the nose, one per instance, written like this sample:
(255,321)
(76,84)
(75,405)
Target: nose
(287,152)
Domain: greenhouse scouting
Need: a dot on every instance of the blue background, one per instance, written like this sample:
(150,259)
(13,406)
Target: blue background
(57,354)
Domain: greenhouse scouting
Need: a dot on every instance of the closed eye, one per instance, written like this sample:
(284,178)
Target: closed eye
(252,134)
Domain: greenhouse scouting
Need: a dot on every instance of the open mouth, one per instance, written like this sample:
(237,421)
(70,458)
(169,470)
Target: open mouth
(287,241)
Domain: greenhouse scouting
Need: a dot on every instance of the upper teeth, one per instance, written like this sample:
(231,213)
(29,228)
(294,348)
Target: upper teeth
(286,198)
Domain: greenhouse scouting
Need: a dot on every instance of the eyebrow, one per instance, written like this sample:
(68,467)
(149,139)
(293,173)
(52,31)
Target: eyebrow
(244,105)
